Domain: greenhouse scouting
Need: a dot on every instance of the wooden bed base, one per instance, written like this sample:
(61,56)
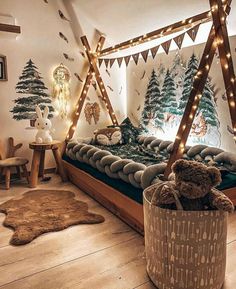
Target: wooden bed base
(231,193)
(122,206)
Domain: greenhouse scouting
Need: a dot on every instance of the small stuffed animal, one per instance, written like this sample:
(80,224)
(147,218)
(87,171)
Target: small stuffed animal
(43,124)
(108,136)
(192,188)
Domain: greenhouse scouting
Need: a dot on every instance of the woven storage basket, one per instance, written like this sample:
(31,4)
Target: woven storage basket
(184,249)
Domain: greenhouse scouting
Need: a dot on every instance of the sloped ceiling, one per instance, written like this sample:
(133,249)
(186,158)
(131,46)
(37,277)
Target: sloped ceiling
(120,20)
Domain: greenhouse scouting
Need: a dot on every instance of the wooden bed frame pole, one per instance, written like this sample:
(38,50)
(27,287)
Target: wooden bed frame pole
(193,102)
(197,89)
(84,93)
(164,31)
(219,20)
(93,61)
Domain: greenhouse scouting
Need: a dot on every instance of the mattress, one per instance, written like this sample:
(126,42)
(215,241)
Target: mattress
(140,164)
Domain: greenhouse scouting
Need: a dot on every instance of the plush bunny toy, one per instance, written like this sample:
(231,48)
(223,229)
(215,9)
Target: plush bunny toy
(43,124)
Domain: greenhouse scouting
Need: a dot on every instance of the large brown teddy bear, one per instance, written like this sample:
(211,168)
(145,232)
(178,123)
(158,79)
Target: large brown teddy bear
(192,189)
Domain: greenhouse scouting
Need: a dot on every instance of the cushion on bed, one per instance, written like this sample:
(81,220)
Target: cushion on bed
(108,136)
(128,130)
(227,159)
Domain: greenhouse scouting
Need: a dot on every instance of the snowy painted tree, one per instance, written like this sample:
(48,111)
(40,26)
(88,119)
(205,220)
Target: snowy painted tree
(152,105)
(168,94)
(31,85)
(207,105)
(188,82)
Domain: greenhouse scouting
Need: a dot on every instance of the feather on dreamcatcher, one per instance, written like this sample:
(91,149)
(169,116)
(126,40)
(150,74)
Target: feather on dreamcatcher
(92,111)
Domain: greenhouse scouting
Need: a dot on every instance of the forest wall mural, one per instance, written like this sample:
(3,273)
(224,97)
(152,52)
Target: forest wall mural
(32,91)
(160,89)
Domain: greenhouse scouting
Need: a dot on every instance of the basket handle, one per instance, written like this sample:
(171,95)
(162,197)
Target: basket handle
(177,202)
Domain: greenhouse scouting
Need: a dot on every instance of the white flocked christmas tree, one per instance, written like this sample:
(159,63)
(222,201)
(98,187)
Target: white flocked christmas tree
(33,92)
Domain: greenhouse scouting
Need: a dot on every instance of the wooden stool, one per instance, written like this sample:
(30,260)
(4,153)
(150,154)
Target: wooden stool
(12,161)
(37,167)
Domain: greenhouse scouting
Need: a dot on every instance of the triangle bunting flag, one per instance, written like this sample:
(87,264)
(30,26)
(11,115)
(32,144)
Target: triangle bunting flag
(135,58)
(154,51)
(193,32)
(127,59)
(100,60)
(179,40)
(112,62)
(166,46)
(145,54)
(119,60)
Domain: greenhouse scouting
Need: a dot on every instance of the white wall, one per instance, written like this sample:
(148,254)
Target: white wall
(39,40)
(135,84)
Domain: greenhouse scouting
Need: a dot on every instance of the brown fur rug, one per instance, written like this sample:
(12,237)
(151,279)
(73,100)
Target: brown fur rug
(42,211)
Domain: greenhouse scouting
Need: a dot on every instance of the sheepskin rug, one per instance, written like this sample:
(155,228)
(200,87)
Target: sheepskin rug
(42,211)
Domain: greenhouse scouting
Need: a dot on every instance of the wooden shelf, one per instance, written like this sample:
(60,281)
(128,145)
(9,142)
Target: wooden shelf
(10,28)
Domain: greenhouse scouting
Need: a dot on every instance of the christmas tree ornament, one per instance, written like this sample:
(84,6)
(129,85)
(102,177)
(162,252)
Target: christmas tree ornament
(61,90)
(33,92)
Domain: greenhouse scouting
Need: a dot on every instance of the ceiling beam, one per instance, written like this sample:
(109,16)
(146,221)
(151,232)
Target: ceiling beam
(10,28)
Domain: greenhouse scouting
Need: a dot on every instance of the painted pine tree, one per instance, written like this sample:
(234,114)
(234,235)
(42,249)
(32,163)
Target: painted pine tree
(207,105)
(152,105)
(188,82)
(33,92)
(168,94)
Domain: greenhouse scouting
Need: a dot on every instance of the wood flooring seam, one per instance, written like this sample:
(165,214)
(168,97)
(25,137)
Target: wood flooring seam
(61,264)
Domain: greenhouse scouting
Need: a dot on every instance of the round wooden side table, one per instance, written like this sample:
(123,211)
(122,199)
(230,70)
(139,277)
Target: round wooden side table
(37,167)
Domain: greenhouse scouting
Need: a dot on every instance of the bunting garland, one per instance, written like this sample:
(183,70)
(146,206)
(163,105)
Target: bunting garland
(192,32)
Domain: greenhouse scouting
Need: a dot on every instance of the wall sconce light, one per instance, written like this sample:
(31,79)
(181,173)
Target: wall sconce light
(61,90)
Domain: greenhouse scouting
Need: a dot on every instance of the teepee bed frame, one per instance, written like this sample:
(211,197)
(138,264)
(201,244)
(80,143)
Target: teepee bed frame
(124,207)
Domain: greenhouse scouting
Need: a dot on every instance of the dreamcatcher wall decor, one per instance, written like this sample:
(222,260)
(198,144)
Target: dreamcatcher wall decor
(61,90)
(92,111)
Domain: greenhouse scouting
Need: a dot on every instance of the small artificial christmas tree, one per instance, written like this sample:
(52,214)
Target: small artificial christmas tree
(32,86)
(152,104)
(168,94)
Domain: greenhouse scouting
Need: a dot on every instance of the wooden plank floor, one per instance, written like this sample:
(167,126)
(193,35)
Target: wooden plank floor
(103,256)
